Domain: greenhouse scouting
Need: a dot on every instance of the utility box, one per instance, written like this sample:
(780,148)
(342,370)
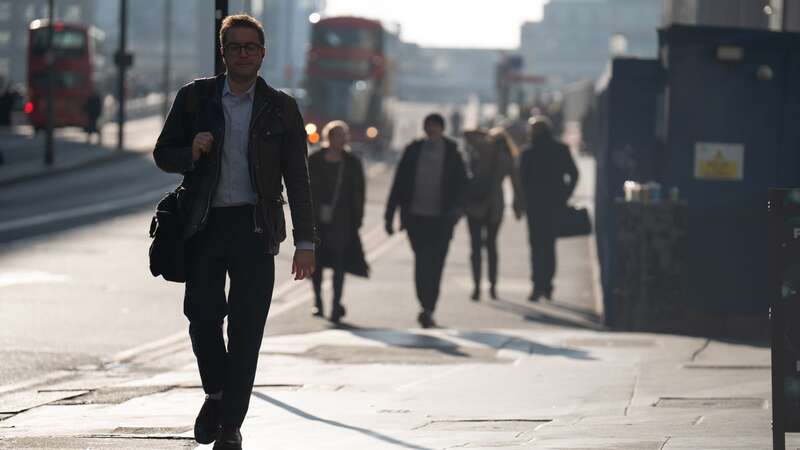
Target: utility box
(727,122)
(623,141)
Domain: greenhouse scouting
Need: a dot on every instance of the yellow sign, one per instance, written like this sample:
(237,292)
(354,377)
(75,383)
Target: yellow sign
(719,161)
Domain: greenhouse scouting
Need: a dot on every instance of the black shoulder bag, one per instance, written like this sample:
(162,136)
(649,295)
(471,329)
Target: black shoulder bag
(168,251)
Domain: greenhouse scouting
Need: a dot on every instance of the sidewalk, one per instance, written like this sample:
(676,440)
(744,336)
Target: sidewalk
(499,374)
(23,153)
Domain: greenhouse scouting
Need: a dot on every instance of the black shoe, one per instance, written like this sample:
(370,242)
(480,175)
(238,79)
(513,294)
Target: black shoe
(493,292)
(317,311)
(535,296)
(206,426)
(230,438)
(425,320)
(548,294)
(338,313)
(476,294)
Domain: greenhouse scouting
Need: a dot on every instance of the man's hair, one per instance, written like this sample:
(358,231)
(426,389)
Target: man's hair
(434,118)
(243,21)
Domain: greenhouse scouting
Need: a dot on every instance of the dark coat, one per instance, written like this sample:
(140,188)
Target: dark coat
(490,164)
(548,173)
(353,186)
(277,154)
(454,183)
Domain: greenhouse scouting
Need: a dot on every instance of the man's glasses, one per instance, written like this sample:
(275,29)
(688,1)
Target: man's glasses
(251,48)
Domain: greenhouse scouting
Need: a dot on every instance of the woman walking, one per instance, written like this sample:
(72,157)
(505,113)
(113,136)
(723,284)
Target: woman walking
(338,190)
(492,159)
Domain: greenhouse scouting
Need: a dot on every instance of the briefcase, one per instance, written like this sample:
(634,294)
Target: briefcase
(574,222)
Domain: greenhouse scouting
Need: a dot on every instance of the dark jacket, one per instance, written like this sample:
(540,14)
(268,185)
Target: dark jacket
(454,183)
(354,187)
(277,154)
(490,164)
(548,173)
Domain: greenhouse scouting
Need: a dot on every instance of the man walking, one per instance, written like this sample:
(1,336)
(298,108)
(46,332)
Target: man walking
(234,138)
(429,188)
(549,177)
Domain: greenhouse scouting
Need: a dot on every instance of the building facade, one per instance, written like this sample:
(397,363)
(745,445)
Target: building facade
(576,38)
(755,14)
(288,31)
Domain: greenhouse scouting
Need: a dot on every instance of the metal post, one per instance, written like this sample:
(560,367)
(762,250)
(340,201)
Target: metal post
(287,54)
(167,54)
(776,315)
(49,149)
(122,63)
(220,12)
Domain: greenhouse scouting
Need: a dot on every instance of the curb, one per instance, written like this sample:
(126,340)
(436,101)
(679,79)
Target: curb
(64,168)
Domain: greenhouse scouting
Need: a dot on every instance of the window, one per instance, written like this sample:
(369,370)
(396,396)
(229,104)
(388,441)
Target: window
(5,38)
(66,41)
(73,13)
(64,80)
(5,67)
(5,11)
(359,38)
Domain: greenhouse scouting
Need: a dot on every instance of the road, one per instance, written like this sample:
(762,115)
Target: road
(74,281)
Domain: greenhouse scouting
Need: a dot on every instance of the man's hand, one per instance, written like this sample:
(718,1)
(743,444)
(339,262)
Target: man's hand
(304,264)
(201,144)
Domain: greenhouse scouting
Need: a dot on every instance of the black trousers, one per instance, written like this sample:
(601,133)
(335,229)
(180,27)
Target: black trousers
(430,239)
(228,245)
(483,233)
(542,236)
(338,257)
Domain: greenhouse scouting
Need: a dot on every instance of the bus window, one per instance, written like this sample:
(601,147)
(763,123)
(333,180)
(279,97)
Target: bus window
(71,42)
(351,38)
(63,80)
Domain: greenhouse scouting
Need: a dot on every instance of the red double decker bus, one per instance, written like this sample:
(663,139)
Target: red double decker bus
(80,67)
(348,78)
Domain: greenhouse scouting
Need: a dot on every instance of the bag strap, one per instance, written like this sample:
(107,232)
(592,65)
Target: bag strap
(338,186)
(198,93)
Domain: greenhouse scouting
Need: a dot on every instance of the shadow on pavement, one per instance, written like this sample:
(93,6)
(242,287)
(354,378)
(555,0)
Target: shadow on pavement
(364,431)
(497,341)
(405,339)
(502,341)
(539,315)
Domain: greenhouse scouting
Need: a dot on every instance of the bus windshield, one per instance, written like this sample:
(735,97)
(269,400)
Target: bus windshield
(71,42)
(348,100)
(350,38)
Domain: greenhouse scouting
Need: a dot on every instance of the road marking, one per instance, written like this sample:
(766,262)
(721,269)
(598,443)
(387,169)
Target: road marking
(31,277)
(81,211)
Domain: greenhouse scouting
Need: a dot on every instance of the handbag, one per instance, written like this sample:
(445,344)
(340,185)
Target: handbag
(167,251)
(573,222)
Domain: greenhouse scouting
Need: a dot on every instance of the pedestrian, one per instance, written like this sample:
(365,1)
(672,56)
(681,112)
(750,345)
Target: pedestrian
(429,188)
(7,101)
(549,177)
(234,138)
(455,122)
(93,110)
(338,189)
(493,158)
